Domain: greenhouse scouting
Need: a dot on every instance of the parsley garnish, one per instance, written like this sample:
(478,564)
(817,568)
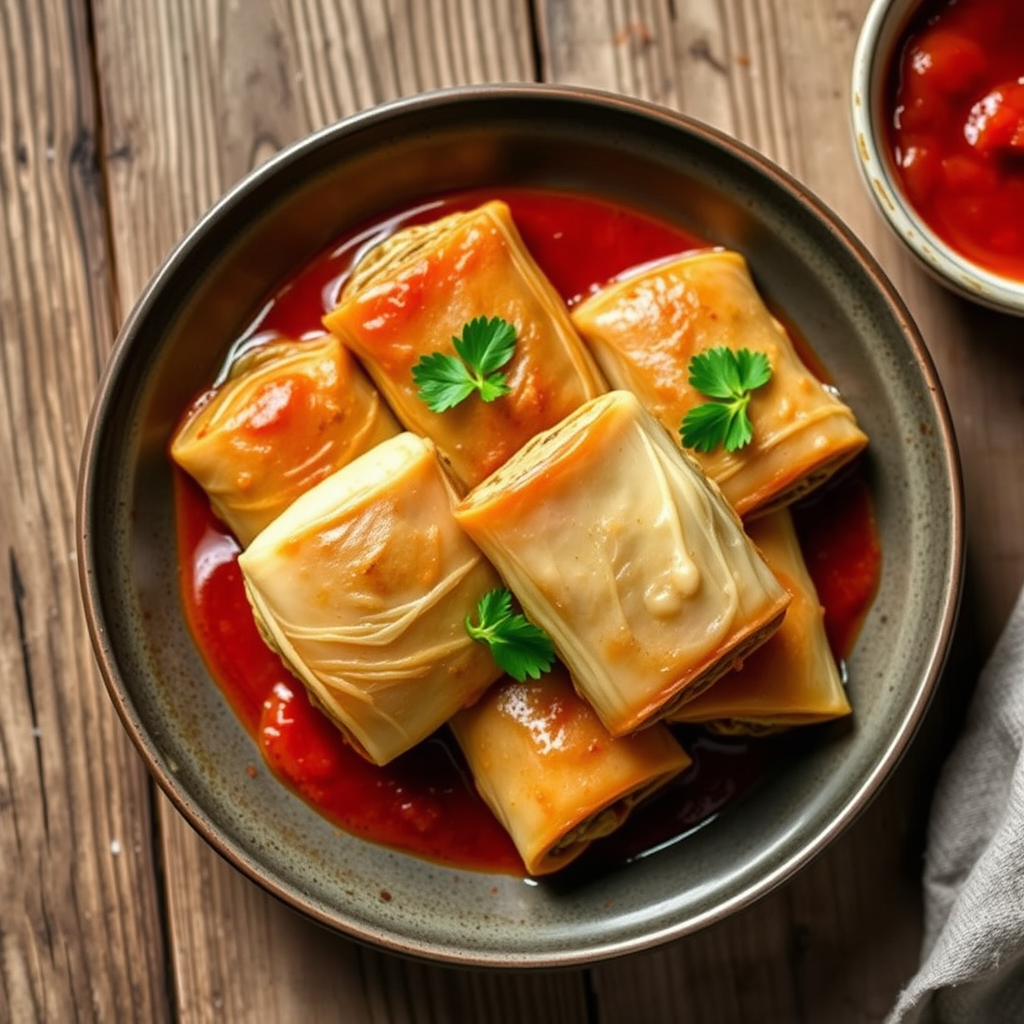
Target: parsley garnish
(519,647)
(728,378)
(485,346)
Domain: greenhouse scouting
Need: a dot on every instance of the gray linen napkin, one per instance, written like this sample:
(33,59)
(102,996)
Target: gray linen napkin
(972,968)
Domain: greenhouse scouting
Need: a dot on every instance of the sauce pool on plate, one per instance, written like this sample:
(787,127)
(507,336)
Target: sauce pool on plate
(955,115)
(424,802)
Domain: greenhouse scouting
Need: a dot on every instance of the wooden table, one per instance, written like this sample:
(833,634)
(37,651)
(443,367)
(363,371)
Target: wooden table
(121,121)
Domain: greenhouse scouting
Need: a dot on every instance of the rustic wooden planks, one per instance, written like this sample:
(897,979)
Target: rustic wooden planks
(80,929)
(194,96)
(121,121)
(766,73)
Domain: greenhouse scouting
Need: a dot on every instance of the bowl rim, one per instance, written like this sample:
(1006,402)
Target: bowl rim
(608,947)
(879,34)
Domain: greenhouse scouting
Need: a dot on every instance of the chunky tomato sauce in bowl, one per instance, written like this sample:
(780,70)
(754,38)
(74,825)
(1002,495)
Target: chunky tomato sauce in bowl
(938,118)
(407,855)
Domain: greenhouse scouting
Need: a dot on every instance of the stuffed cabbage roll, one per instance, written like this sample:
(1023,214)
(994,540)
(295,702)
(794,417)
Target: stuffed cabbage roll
(414,293)
(362,585)
(618,546)
(289,414)
(792,679)
(643,331)
(551,772)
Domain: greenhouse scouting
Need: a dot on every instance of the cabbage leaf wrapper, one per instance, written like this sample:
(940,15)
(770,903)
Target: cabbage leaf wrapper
(362,586)
(550,771)
(414,292)
(793,678)
(643,330)
(618,546)
(289,414)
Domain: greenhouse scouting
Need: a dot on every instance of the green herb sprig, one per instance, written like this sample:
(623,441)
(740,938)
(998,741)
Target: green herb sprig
(486,345)
(728,378)
(518,646)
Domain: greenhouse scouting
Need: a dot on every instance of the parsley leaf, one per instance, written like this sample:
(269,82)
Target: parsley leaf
(486,345)
(518,646)
(442,381)
(728,378)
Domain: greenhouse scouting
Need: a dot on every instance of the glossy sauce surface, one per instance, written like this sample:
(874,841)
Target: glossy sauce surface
(424,802)
(955,111)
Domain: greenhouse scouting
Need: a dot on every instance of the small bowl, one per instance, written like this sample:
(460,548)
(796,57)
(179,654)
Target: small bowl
(880,35)
(271,225)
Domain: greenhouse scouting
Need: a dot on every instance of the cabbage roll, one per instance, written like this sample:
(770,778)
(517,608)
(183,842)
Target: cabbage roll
(551,772)
(618,546)
(792,679)
(289,414)
(413,293)
(643,331)
(362,586)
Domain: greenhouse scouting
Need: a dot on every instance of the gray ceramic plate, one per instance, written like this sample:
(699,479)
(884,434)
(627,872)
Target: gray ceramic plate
(267,228)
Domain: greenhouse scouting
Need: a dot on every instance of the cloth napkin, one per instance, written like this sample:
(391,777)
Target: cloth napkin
(972,967)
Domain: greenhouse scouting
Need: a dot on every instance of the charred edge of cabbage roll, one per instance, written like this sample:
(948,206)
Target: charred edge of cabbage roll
(729,661)
(608,819)
(805,485)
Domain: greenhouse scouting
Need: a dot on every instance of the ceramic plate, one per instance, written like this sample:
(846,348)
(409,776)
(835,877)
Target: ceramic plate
(262,232)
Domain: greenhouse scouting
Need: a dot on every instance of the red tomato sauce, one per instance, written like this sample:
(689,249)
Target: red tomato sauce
(955,111)
(839,540)
(424,802)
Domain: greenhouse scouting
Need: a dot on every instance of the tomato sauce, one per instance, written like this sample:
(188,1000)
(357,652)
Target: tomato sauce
(955,111)
(424,802)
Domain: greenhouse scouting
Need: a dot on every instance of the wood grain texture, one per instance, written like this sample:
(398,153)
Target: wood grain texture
(800,954)
(80,933)
(111,908)
(194,96)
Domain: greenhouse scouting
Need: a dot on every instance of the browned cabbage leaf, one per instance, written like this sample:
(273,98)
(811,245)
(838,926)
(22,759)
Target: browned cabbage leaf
(551,772)
(643,331)
(290,414)
(792,679)
(412,294)
(363,584)
(615,543)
